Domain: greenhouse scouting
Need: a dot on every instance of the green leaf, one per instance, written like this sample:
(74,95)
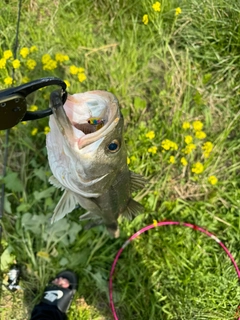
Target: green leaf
(43,194)
(7,258)
(139,103)
(12,182)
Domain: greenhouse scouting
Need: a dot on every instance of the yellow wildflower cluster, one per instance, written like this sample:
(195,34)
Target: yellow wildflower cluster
(3,62)
(188,139)
(152,150)
(207,148)
(197,168)
(46,130)
(33,108)
(184,161)
(145,19)
(157,6)
(48,62)
(8,80)
(178,11)
(197,125)
(150,135)
(24,52)
(186,125)
(212,180)
(189,148)
(34,131)
(33,49)
(16,64)
(200,135)
(7,54)
(61,57)
(169,145)
(31,64)
(74,70)
(172,159)
(67,83)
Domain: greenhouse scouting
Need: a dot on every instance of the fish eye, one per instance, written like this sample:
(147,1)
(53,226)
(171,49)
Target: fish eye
(114,146)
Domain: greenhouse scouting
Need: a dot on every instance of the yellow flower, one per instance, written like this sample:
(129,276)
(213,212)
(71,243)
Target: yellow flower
(45,58)
(61,57)
(80,70)
(33,108)
(157,6)
(25,79)
(184,161)
(200,135)
(178,11)
(8,80)
(128,160)
(145,19)
(207,148)
(150,135)
(188,139)
(155,223)
(33,49)
(3,63)
(197,125)
(67,83)
(168,144)
(7,54)
(152,150)
(82,77)
(189,148)
(50,65)
(16,64)
(172,159)
(31,64)
(186,125)
(213,180)
(46,130)
(34,131)
(133,158)
(24,52)
(73,69)
(24,122)
(197,168)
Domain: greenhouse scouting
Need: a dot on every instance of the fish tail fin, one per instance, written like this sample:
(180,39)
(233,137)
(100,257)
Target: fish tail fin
(133,209)
(66,204)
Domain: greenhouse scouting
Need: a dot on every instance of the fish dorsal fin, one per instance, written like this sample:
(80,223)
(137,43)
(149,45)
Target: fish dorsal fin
(137,181)
(66,204)
(133,209)
(55,183)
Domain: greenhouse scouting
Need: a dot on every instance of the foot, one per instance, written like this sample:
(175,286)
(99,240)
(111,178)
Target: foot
(61,291)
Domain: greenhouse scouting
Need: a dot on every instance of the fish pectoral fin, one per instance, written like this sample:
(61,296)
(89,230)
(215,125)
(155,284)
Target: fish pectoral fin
(55,182)
(66,204)
(137,181)
(88,216)
(133,209)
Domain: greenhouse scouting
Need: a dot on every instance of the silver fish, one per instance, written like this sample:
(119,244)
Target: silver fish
(88,161)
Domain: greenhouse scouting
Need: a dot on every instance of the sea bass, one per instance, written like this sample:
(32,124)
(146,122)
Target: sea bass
(88,158)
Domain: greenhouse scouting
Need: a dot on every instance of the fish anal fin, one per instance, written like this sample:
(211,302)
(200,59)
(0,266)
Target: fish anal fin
(137,181)
(66,204)
(133,209)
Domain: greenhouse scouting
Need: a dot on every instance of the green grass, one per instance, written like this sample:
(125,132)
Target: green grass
(173,69)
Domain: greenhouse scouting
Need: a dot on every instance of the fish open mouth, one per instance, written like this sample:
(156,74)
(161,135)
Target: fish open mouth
(90,111)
